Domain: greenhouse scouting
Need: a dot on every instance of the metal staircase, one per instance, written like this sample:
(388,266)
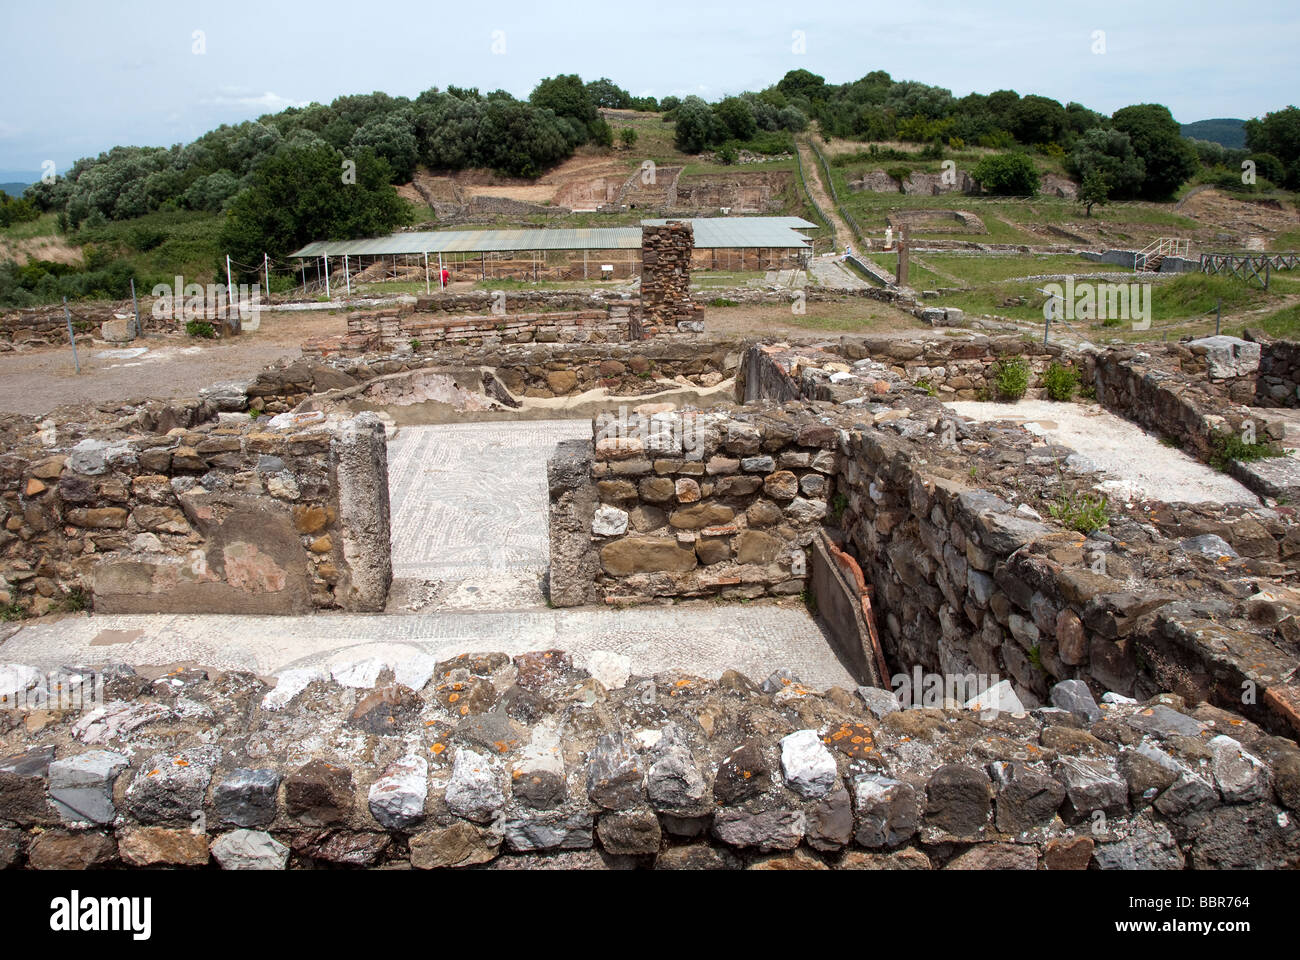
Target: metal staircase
(1148,259)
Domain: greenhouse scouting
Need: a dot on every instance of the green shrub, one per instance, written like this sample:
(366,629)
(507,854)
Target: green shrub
(1007,174)
(11,612)
(1061,381)
(200,328)
(1225,447)
(1085,512)
(74,601)
(1011,377)
(723,302)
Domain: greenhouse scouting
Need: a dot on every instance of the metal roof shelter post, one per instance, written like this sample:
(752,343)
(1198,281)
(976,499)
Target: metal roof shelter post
(327,275)
(426,273)
(347,274)
(441,285)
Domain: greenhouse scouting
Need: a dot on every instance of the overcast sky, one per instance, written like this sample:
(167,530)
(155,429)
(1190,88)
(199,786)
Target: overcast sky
(84,75)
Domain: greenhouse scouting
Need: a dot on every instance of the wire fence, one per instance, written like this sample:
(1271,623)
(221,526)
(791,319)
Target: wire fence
(821,215)
(835,196)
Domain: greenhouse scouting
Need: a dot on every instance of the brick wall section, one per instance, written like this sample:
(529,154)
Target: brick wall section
(667,772)
(666,275)
(227,516)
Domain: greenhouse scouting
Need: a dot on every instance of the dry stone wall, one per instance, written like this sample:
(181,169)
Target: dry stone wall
(952,524)
(697,504)
(493,762)
(536,370)
(229,515)
(1278,384)
(387,333)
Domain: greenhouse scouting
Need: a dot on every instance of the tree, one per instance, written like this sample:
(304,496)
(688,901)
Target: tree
(517,139)
(392,136)
(627,136)
(300,195)
(605,93)
(1007,174)
(1111,153)
(695,125)
(566,96)
(802,83)
(1277,133)
(737,117)
(448,133)
(1094,190)
(1169,157)
(1035,119)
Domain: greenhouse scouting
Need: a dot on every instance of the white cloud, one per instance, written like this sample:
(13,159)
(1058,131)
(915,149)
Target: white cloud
(268,102)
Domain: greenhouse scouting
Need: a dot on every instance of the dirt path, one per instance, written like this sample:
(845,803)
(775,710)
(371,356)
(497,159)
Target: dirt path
(812,172)
(35,382)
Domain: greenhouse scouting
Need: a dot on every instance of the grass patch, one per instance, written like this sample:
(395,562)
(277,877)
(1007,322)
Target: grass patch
(1285,324)
(1085,513)
(1011,378)
(74,601)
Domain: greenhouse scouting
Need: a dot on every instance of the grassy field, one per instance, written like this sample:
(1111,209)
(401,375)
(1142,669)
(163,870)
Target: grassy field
(1190,297)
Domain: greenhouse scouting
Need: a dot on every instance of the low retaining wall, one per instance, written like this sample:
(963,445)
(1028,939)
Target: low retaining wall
(227,516)
(491,762)
(536,370)
(421,333)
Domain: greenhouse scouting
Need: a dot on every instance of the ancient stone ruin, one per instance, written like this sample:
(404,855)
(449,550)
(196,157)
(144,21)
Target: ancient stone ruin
(1021,694)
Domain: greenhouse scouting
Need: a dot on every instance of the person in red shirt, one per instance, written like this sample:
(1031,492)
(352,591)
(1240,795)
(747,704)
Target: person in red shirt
(446,277)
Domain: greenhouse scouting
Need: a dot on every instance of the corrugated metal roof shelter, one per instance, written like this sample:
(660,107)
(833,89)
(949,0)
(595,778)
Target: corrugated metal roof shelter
(710,233)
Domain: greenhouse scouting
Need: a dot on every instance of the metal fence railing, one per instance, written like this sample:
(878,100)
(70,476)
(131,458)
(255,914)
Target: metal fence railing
(821,214)
(835,196)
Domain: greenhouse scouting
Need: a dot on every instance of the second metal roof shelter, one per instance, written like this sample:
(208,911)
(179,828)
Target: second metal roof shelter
(710,232)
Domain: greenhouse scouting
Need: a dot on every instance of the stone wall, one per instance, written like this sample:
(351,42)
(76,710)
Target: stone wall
(41,326)
(700,504)
(480,302)
(950,522)
(1278,384)
(490,762)
(389,332)
(537,370)
(229,515)
(666,275)
(962,368)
